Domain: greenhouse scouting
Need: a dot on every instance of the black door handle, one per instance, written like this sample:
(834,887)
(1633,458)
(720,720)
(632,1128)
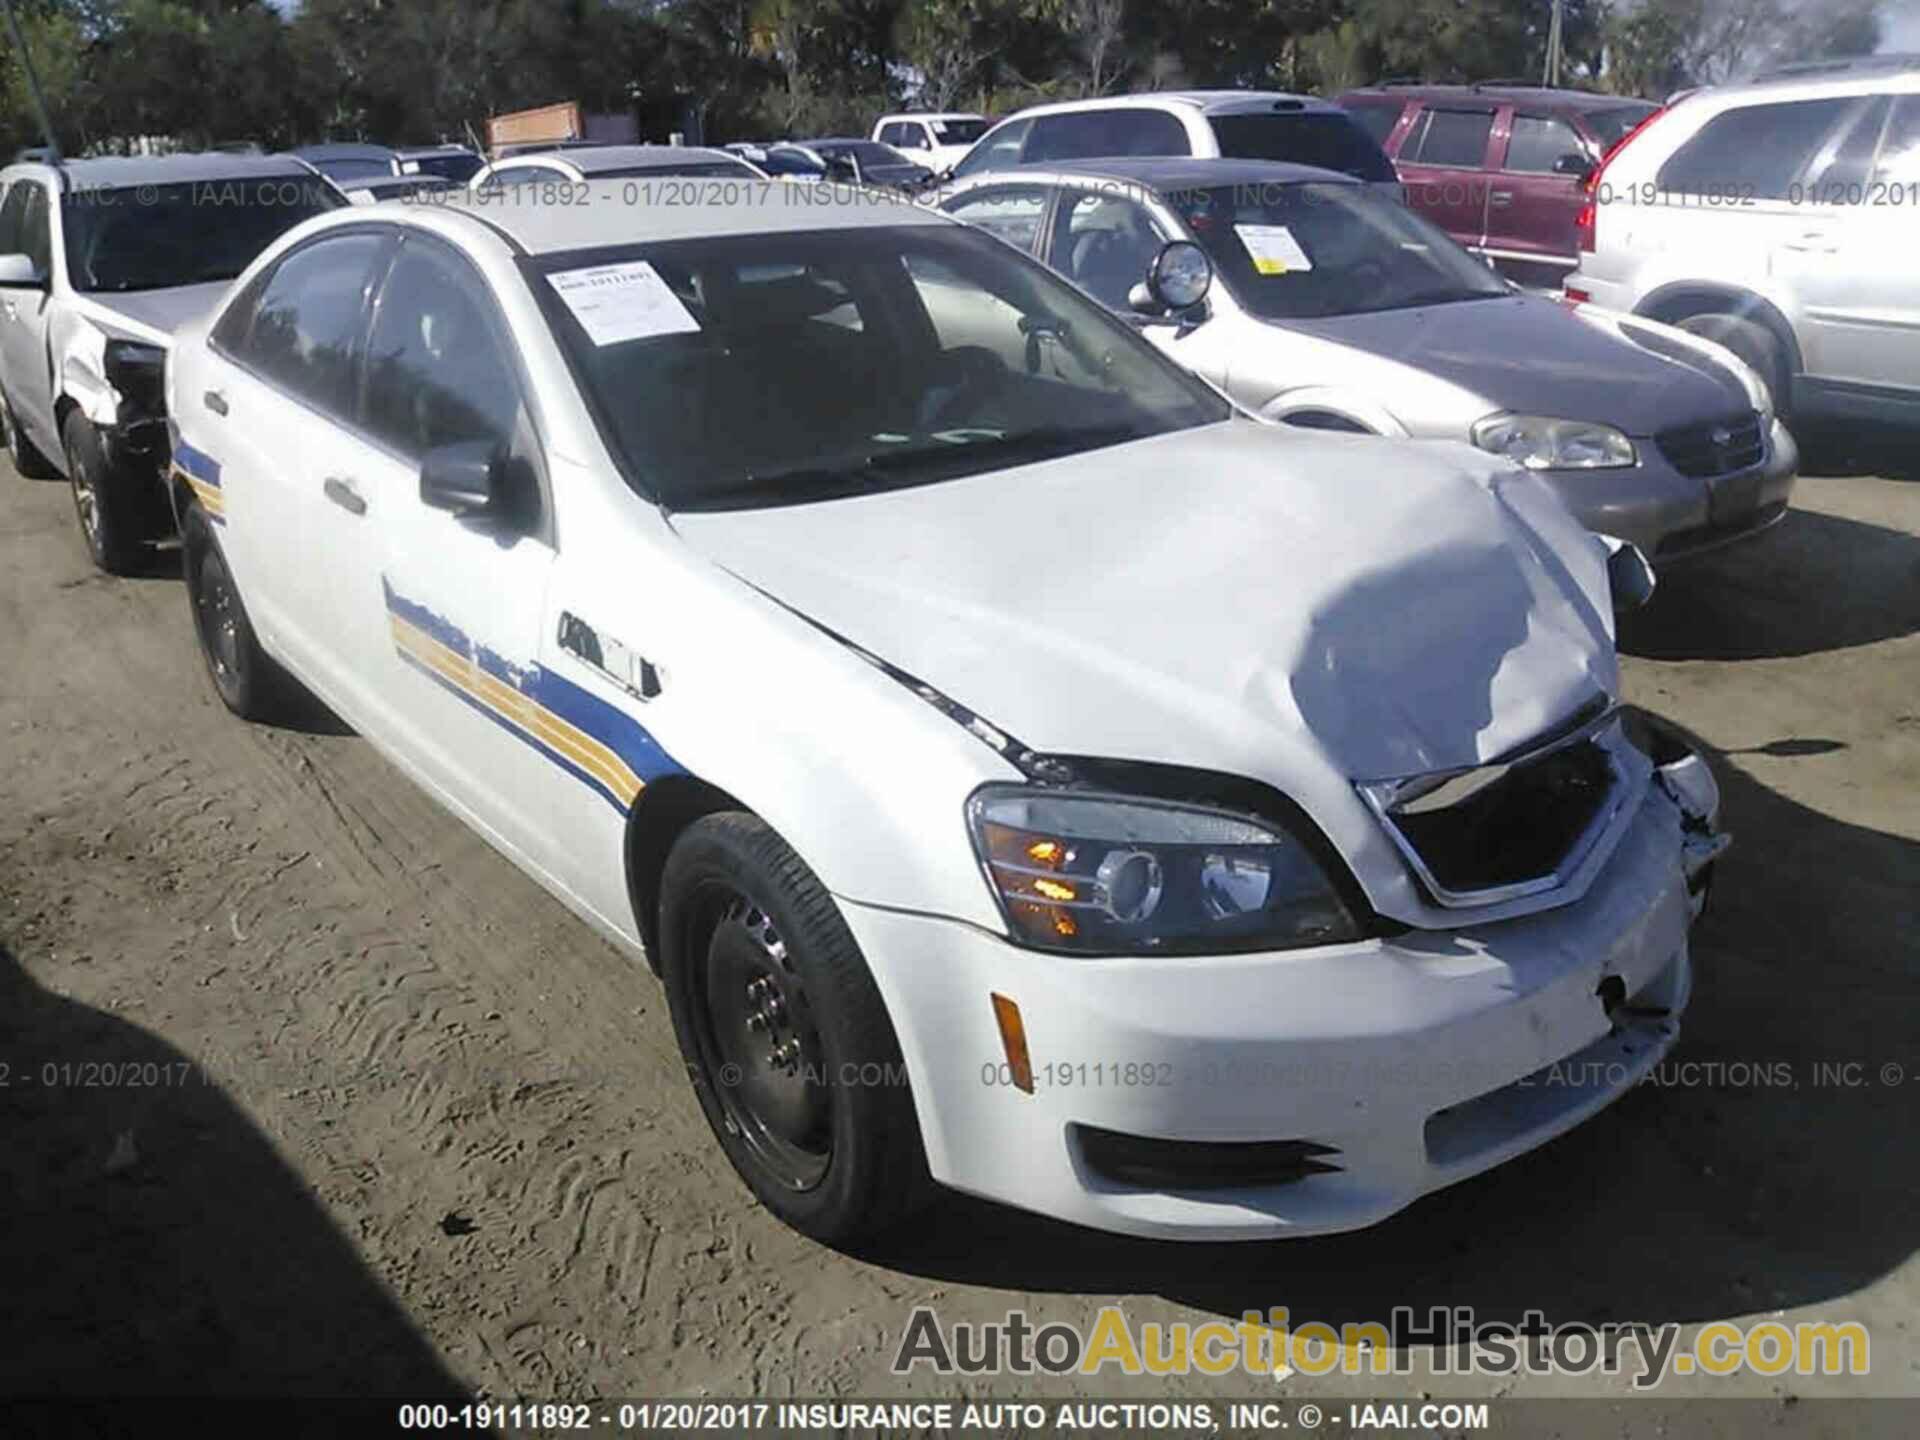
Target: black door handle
(341,493)
(215,402)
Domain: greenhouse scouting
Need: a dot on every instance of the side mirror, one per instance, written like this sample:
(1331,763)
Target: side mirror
(18,272)
(1576,165)
(465,478)
(1180,276)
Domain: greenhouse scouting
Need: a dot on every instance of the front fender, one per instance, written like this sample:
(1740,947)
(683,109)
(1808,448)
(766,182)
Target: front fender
(1334,400)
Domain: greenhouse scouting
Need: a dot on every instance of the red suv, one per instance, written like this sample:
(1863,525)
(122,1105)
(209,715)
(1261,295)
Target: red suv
(1498,167)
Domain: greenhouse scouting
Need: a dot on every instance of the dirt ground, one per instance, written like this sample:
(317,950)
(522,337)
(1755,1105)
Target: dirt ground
(388,1119)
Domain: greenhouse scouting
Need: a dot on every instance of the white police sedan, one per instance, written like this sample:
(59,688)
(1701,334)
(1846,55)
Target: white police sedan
(1023,769)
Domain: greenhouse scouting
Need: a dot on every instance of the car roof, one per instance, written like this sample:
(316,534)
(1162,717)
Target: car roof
(1207,102)
(597,159)
(113,172)
(931,115)
(1181,172)
(345,150)
(605,216)
(1530,94)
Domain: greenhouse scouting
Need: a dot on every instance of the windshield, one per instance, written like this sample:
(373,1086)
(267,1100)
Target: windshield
(958,132)
(154,237)
(1610,126)
(747,371)
(1330,140)
(1305,252)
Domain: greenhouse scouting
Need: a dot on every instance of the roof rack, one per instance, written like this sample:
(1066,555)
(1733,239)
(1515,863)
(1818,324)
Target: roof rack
(1852,64)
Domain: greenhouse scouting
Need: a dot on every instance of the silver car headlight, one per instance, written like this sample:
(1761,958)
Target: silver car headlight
(1101,874)
(1540,442)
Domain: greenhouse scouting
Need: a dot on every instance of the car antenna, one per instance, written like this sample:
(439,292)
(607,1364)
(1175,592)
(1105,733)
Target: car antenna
(33,85)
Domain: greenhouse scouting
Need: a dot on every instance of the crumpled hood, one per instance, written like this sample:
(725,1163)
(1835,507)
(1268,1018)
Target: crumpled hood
(154,315)
(1239,597)
(1537,357)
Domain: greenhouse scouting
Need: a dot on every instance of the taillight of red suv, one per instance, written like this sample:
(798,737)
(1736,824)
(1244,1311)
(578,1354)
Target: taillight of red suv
(1584,223)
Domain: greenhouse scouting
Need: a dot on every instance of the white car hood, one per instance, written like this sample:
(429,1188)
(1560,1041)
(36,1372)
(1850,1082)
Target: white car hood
(152,315)
(1237,598)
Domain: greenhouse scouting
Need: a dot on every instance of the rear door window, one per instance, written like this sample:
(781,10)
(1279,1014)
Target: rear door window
(1377,120)
(1329,139)
(1011,212)
(999,150)
(1090,133)
(1456,139)
(1757,152)
(1540,142)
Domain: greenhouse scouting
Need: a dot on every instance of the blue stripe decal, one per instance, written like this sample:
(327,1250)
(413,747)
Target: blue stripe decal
(480,707)
(197,463)
(604,738)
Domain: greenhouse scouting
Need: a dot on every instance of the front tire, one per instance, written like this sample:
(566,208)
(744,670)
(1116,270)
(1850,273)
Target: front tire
(786,1039)
(242,675)
(105,511)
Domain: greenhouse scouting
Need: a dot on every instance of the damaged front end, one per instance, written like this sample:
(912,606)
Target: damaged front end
(1683,774)
(137,430)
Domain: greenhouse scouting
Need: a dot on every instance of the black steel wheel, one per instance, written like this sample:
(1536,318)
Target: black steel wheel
(241,672)
(786,1038)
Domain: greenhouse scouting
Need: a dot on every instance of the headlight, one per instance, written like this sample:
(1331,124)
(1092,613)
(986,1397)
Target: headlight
(1105,874)
(1541,443)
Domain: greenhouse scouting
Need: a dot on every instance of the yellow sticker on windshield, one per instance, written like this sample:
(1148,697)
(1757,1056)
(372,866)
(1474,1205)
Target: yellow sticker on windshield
(1273,249)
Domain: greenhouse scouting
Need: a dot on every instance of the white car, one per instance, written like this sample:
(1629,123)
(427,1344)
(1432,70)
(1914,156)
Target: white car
(938,141)
(1334,307)
(1021,767)
(101,261)
(1205,124)
(1777,218)
(581,164)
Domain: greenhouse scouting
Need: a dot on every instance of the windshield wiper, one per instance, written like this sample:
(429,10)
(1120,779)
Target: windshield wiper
(1040,443)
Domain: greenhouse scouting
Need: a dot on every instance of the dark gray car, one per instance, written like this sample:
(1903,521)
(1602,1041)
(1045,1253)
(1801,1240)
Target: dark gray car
(1334,308)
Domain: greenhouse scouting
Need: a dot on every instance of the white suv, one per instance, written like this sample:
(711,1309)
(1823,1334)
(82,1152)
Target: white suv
(1237,124)
(1778,218)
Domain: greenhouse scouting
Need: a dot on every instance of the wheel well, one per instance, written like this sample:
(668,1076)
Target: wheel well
(62,408)
(1674,305)
(1327,420)
(664,810)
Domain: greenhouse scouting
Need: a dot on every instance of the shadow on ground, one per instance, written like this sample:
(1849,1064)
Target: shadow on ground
(1754,1186)
(1860,450)
(1814,582)
(155,1244)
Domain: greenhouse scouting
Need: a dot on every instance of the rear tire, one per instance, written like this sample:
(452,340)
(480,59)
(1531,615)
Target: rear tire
(109,524)
(775,1010)
(25,455)
(245,679)
(1756,345)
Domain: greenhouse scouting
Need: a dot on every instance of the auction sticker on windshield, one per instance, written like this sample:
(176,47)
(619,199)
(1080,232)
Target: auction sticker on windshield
(1273,249)
(618,303)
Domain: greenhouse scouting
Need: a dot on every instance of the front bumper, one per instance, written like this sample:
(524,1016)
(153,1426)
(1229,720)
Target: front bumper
(1671,516)
(1420,1059)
